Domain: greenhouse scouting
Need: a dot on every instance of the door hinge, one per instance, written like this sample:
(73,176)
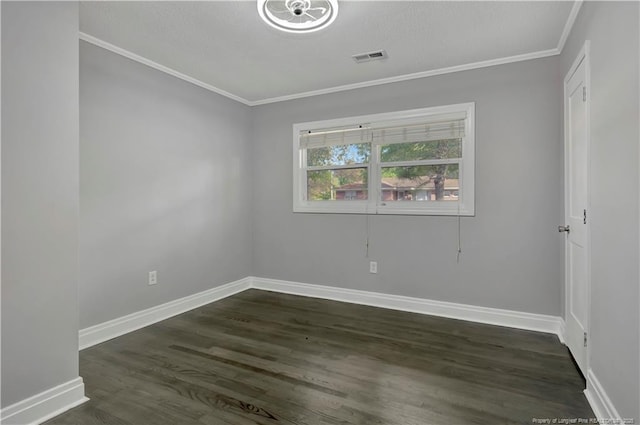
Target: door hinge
(584,93)
(585,339)
(584,217)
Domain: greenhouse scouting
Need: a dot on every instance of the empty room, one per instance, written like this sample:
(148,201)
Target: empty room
(311,212)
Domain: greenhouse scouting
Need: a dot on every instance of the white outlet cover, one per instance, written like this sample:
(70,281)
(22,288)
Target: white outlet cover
(373,267)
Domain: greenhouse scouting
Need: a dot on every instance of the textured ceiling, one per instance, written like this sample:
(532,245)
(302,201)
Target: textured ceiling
(224,44)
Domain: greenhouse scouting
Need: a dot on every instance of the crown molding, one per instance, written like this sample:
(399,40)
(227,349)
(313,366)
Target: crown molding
(413,76)
(568,26)
(134,57)
(371,83)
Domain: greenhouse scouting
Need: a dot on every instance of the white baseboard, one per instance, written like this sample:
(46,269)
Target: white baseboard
(492,316)
(46,405)
(131,322)
(562,331)
(36,409)
(598,399)
(600,402)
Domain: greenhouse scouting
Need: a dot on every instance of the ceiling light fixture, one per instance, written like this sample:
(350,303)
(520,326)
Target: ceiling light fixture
(298,16)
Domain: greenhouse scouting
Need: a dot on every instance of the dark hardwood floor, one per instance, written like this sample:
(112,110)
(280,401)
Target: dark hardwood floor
(265,358)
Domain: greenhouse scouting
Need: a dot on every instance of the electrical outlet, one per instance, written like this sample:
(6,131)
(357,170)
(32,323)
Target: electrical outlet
(153,277)
(373,267)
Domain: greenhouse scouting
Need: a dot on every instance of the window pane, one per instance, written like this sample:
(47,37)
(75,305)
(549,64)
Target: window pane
(436,149)
(420,183)
(337,185)
(339,155)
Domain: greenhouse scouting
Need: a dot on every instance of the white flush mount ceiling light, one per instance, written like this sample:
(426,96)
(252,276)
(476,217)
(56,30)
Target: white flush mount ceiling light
(298,16)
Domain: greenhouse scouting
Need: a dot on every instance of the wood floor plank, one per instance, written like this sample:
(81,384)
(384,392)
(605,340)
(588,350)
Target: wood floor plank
(266,358)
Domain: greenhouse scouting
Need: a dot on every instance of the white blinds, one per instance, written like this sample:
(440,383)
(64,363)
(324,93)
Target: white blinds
(451,129)
(413,131)
(333,137)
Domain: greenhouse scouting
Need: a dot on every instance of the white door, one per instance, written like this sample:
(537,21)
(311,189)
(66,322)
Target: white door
(576,209)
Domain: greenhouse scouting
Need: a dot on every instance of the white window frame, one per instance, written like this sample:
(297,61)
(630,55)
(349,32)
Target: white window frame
(465,206)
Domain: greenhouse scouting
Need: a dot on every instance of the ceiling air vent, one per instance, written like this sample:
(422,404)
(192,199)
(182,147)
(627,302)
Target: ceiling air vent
(370,56)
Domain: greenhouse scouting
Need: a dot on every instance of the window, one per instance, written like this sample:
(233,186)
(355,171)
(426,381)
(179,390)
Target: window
(410,162)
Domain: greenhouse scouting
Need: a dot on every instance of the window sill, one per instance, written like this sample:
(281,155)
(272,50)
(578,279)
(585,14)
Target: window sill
(365,208)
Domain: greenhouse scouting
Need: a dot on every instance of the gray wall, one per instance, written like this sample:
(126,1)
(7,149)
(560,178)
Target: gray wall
(164,185)
(615,112)
(512,255)
(39,197)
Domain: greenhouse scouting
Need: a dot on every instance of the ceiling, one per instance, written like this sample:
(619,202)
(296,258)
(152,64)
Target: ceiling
(225,47)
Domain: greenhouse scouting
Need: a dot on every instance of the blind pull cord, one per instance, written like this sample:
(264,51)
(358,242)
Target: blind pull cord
(367,240)
(459,236)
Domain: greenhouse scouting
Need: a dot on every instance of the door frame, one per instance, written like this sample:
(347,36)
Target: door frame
(583,56)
